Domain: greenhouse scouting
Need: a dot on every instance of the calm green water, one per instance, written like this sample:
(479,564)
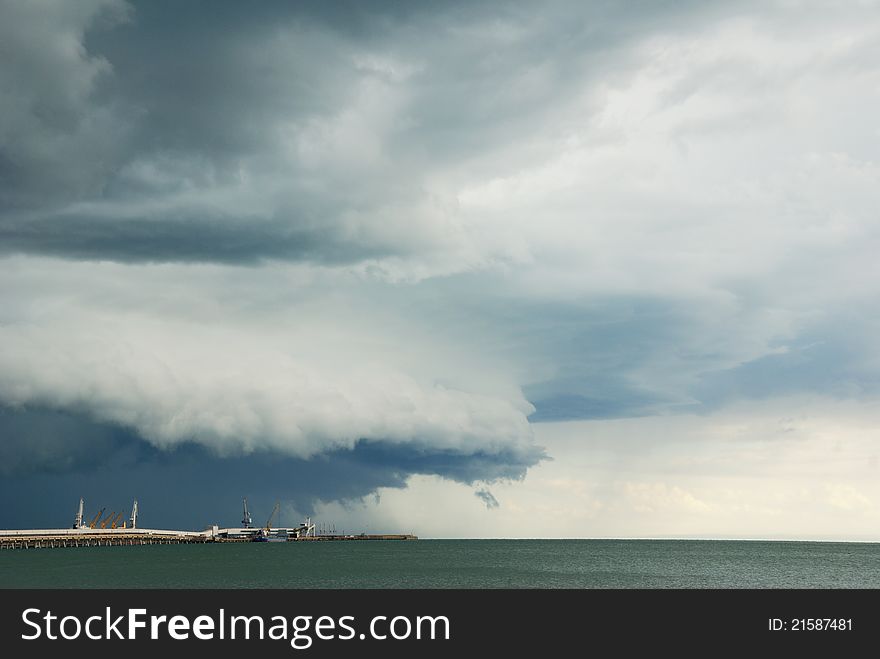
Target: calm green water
(452,564)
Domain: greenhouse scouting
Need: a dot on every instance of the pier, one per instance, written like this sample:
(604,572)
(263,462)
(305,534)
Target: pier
(113,531)
(57,538)
(328,538)
(53,538)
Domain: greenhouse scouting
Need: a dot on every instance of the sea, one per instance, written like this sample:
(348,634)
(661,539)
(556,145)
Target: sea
(451,564)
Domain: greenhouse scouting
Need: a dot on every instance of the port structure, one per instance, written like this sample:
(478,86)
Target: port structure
(272,516)
(100,531)
(115,520)
(246,520)
(95,519)
(78,520)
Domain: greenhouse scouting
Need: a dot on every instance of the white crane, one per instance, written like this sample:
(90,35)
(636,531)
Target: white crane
(134,514)
(78,521)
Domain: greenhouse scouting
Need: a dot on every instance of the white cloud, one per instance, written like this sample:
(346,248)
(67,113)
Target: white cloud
(305,378)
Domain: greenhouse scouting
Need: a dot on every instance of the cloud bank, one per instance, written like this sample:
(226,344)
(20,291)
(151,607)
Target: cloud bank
(408,235)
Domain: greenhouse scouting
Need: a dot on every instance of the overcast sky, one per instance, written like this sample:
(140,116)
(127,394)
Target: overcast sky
(460,269)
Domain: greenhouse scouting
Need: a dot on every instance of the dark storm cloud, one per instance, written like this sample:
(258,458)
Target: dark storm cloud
(51,442)
(201,235)
(158,99)
(60,456)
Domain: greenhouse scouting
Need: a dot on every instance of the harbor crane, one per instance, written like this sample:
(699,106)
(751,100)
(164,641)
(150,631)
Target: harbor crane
(115,523)
(78,521)
(96,518)
(272,516)
(113,520)
(246,520)
(107,519)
